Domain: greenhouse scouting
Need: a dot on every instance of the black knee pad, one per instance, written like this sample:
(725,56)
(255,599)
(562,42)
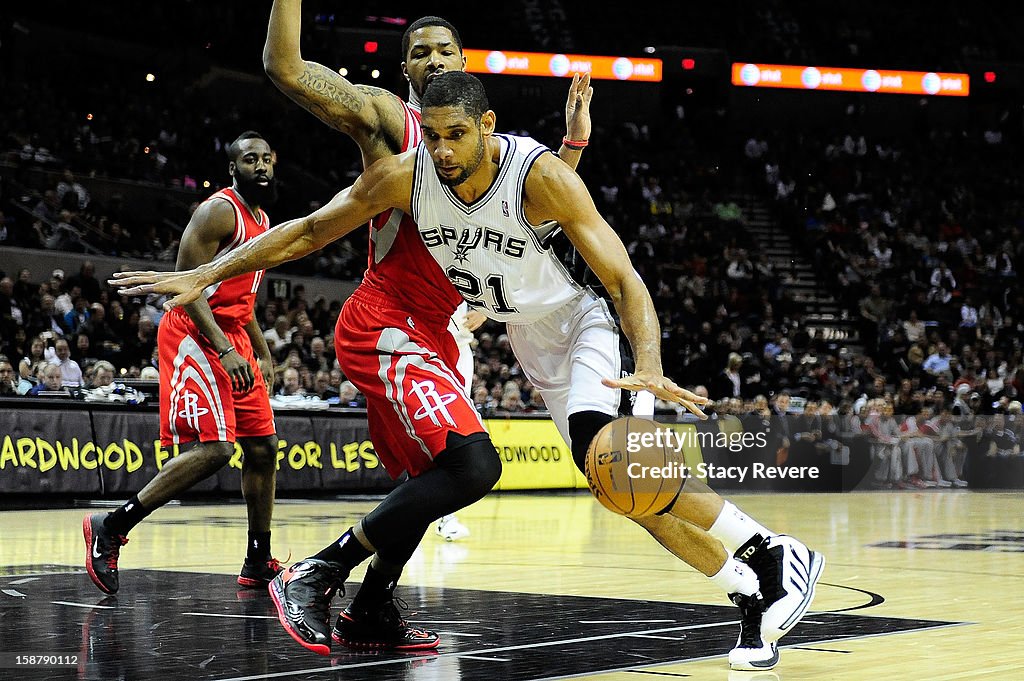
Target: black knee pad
(473,460)
(583,426)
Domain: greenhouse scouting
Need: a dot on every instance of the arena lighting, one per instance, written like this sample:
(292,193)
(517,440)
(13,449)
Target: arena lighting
(343,71)
(689,64)
(990,76)
(150,77)
(562,65)
(375,73)
(880,81)
(370,46)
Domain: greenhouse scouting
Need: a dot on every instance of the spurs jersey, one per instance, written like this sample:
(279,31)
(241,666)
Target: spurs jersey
(490,252)
(398,266)
(232,301)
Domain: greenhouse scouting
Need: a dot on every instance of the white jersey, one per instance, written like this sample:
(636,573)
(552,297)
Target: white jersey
(488,249)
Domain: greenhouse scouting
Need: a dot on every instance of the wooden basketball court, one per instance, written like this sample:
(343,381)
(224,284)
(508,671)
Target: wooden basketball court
(917,586)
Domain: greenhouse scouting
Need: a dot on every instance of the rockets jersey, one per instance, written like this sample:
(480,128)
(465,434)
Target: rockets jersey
(399,265)
(488,249)
(232,301)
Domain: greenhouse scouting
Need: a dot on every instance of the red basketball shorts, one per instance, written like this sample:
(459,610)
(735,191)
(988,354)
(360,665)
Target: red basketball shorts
(196,400)
(404,364)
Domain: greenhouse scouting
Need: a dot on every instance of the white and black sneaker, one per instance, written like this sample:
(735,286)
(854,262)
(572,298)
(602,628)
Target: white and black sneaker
(788,572)
(752,653)
(450,528)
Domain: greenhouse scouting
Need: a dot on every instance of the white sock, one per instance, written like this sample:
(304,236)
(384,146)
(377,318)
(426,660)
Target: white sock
(736,577)
(734,528)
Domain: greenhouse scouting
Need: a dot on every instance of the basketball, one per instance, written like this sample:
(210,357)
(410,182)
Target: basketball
(632,468)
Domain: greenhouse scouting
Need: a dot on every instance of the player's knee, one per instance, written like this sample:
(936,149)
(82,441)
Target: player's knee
(474,461)
(583,426)
(215,454)
(259,452)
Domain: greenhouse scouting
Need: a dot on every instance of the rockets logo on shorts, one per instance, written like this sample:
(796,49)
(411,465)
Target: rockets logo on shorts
(434,403)
(191,411)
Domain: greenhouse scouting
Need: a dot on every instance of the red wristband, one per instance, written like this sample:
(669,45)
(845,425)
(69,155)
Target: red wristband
(575,145)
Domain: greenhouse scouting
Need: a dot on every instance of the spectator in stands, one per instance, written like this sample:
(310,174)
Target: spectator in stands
(939,361)
(71,372)
(103,340)
(63,295)
(280,335)
(914,328)
(11,316)
(290,383)
(8,384)
(322,387)
(729,382)
(103,374)
(36,354)
(45,318)
(943,284)
(49,380)
(62,235)
(349,395)
(960,407)
(78,316)
(86,281)
(968,314)
(71,195)
(138,349)
(25,293)
(318,360)
(1003,441)
(48,206)
(907,401)
(83,352)
(874,310)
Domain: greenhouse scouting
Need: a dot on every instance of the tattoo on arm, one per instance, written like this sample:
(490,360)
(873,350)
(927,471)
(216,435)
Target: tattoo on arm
(316,81)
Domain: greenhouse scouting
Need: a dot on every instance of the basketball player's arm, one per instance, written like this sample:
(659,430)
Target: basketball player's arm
(360,111)
(577,118)
(554,192)
(264,359)
(211,224)
(385,184)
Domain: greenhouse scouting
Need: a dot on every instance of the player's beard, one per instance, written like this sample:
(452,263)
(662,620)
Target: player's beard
(467,169)
(256,194)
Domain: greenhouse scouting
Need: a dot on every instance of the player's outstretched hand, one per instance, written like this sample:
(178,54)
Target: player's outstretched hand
(577,108)
(185,287)
(663,388)
(474,320)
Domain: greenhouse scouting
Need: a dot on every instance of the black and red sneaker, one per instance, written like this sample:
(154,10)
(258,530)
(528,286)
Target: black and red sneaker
(302,595)
(256,575)
(102,549)
(381,628)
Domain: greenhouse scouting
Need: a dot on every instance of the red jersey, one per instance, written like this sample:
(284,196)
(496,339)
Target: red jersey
(400,266)
(232,301)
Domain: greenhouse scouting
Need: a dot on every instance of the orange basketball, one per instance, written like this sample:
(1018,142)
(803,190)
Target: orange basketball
(634,468)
